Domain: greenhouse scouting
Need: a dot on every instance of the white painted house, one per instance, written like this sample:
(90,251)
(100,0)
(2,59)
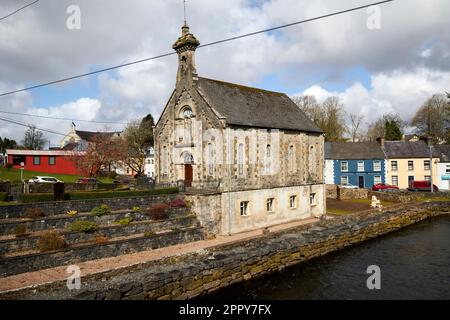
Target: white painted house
(443,167)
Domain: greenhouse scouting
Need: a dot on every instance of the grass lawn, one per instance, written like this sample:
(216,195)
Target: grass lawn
(13,175)
(343,207)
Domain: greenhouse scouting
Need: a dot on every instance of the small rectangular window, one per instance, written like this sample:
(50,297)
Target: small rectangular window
(51,161)
(270,205)
(293,202)
(395,181)
(312,199)
(360,166)
(37,161)
(344,180)
(428,178)
(410,165)
(377,165)
(394,166)
(426,165)
(244,208)
(344,166)
(377,180)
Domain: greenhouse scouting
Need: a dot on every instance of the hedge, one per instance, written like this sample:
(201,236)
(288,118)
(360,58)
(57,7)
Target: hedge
(3,196)
(47,197)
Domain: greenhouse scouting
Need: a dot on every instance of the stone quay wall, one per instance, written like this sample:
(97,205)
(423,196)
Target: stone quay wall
(196,274)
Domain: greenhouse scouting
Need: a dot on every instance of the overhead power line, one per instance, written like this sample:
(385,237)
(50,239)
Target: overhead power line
(18,10)
(202,46)
(64,119)
(28,126)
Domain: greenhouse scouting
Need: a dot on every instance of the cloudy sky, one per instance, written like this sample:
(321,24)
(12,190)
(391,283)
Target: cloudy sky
(374,71)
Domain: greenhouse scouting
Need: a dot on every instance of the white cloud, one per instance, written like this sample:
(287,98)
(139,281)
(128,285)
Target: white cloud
(401,92)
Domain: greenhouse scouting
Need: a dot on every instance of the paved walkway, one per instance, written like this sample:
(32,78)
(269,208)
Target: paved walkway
(41,277)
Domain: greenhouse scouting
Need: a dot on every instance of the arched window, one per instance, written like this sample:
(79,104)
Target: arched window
(165,161)
(187,112)
(291,159)
(241,159)
(268,158)
(210,158)
(312,160)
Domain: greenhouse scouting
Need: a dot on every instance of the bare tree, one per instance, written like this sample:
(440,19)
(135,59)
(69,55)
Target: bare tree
(432,118)
(355,126)
(33,139)
(378,129)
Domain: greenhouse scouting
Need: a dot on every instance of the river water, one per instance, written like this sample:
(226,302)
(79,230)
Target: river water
(414,264)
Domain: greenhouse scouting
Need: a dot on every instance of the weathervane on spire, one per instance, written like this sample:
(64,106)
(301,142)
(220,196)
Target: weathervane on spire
(185,21)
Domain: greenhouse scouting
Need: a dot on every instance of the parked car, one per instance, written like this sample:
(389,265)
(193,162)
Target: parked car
(88,180)
(384,187)
(349,186)
(421,186)
(44,180)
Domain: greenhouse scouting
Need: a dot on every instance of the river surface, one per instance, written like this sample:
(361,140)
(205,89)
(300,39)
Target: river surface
(414,264)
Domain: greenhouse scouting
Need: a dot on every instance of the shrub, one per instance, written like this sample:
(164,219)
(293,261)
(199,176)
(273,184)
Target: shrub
(101,210)
(101,239)
(83,226)
(158,212)
(3,196)
(177,203)
(112,175)
(51,241)
(40,197)
(149,234)
(72,213)
(9,166)
(34,213)
(21,231)
(137,209)
(124,222)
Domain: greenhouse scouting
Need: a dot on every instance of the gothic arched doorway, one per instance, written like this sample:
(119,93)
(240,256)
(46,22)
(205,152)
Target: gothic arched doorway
(188,169)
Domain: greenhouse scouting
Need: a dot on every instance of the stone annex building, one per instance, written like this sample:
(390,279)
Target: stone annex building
(252,157)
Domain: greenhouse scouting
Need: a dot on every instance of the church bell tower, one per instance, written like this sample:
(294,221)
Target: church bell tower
(185,46)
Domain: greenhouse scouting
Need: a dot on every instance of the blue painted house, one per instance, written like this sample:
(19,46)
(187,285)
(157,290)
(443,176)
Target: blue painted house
(360,164)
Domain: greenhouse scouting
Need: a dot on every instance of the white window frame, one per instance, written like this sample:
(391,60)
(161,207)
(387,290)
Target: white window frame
(313,199)
(428,178)
(396,166)
(377,180)
(270,205)
(342,166)
(361,162)
(411,168)
(376,165)
(342,178)
(395,184)
(244,208)
(293,202)
(427,165)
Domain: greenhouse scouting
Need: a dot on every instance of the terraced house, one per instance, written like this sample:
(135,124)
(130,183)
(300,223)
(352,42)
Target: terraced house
(360,164)
(255,153)
(410,161)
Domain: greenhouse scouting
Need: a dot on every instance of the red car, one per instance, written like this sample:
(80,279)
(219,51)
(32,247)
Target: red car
(384,187)
(421,186)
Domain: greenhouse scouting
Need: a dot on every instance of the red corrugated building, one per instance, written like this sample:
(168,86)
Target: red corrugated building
(43,161)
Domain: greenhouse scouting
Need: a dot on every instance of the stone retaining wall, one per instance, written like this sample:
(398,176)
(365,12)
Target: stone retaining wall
(350,194)
(192,275)
(69,187)
(331,191)
(39,261)
(61,207)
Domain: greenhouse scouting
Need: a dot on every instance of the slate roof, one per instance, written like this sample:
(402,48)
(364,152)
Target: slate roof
(252,107)
(353,151)
(407,149)
(444,152)
(89,136)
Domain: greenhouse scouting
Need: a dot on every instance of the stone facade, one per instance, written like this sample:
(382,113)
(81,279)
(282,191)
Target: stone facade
(202,139)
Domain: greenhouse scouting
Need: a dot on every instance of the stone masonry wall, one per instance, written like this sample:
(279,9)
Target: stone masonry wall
(61,207)
(203,272)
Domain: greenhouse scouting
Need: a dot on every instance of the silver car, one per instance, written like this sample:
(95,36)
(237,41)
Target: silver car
(44,180)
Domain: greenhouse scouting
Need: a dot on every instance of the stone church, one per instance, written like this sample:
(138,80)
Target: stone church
(251,157)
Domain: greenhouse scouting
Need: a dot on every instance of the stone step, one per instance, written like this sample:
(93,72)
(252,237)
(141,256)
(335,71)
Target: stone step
(28,243)
(71,256)
(7,227)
